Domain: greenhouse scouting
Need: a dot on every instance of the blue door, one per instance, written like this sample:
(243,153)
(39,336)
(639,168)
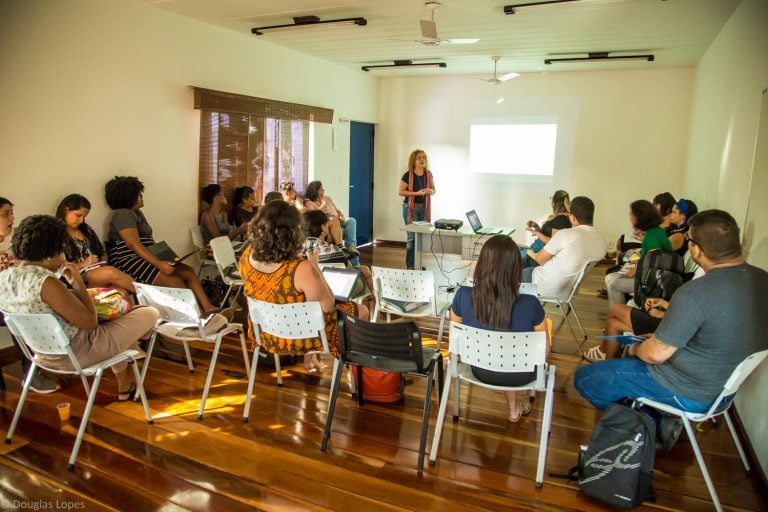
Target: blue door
(361,179)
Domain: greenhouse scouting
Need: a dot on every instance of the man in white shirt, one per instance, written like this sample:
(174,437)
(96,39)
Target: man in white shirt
(561,260)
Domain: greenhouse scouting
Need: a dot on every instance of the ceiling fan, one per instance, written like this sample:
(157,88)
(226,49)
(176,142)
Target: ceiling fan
(496,79)
(429,30)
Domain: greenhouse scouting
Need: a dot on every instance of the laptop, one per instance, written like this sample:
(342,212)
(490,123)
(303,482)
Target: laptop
(163,252)
(342,282)
(477,226)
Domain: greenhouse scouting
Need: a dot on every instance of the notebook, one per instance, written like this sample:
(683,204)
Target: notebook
(342,282)
(163,252)
(477,226)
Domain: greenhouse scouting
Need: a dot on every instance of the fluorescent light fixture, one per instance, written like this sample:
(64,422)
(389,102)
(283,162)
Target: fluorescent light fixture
(406,64)
(510,9)
(310,21)
(595,56)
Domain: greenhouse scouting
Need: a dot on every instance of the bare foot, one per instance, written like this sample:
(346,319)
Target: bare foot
(312,362)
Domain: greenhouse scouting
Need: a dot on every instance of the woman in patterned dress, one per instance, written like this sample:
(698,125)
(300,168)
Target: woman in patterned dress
(273,271)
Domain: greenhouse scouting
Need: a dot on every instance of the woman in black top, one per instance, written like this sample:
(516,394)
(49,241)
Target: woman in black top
(560,219)
(417,186)
(245,205)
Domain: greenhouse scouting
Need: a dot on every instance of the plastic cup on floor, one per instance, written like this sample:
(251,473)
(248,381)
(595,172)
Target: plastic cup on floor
(63,409)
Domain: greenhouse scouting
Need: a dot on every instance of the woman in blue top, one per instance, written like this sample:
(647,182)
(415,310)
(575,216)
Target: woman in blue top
(493,303)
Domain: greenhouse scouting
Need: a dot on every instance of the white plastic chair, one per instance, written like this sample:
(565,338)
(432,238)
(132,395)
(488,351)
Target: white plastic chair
(293,321)
(511,352)
(719,407)
(226,263)
(407,286)
(181,320)
(568,301)
(199,244)
(42,334)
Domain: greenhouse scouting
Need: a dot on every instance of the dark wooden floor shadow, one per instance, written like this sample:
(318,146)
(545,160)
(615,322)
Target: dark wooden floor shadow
(273,462)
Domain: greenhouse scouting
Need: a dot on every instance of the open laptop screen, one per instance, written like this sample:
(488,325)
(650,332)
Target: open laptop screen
(341,281)
(474,220)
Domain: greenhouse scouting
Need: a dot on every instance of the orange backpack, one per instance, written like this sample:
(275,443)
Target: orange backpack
(380,386)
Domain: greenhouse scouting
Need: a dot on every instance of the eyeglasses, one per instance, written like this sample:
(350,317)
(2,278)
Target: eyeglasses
(690,240)
(286,185)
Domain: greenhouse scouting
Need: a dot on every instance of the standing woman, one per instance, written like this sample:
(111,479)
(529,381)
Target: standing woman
(84,248)
(130,234)
(417,186)
(493,303)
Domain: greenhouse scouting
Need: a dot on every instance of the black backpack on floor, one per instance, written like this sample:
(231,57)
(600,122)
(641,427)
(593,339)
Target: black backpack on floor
(617,464)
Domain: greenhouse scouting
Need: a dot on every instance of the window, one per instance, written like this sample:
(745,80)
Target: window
(512,148)
(255,142)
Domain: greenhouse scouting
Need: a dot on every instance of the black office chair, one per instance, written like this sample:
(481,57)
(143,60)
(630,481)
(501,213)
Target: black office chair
(391,347)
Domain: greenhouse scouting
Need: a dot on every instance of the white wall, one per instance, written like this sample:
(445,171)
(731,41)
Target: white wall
(629,141)
(93,88)
(728,89)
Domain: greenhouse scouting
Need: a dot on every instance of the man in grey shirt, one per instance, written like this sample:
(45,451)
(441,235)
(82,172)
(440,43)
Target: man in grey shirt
(712,324)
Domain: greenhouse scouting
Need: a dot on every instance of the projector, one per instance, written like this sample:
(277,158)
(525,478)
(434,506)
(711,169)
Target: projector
(453,224)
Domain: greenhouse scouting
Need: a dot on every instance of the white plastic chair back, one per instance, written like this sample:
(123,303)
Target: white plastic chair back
(739,375)
(177,305)
(43,334)
(500,351)
(290,321)
(224,254)
(404,285)
(585,270)
(197,238)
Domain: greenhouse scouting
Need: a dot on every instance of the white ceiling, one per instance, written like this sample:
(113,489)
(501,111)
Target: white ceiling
(677,32)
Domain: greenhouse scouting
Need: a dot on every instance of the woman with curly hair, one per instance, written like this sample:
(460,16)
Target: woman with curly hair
(84,249)
(129,236)
(646,219)
(416,187)
(32,286)
(273,271)
(493,303)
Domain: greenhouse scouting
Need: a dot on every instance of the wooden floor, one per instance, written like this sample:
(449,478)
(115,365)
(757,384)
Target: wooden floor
(274,461)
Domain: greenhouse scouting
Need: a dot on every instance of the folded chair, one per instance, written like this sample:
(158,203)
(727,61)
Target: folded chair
(393,347)
(568,301)
(226,263)
(509,352)
(407,293)
(42,334)
(719,407)
(181,321)
(293,321)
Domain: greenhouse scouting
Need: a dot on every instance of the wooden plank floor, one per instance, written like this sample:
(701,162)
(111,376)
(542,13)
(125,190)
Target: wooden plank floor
(274,461)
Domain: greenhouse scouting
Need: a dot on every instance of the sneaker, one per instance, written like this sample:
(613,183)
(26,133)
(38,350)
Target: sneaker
(42,384)
(594,354)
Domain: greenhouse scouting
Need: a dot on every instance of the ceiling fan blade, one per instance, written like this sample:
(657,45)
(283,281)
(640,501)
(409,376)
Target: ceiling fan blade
(459,41)
(508,76)
(428,29)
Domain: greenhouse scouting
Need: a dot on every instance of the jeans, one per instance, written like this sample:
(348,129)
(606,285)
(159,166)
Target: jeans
(418,214)
(606,382)
(349,231)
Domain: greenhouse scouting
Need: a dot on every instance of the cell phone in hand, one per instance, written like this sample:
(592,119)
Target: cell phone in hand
(310,244)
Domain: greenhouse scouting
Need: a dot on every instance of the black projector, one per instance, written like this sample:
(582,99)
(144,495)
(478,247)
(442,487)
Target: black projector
(453,224)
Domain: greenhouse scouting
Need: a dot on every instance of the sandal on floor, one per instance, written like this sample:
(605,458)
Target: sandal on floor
(594,354)
(124,396)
